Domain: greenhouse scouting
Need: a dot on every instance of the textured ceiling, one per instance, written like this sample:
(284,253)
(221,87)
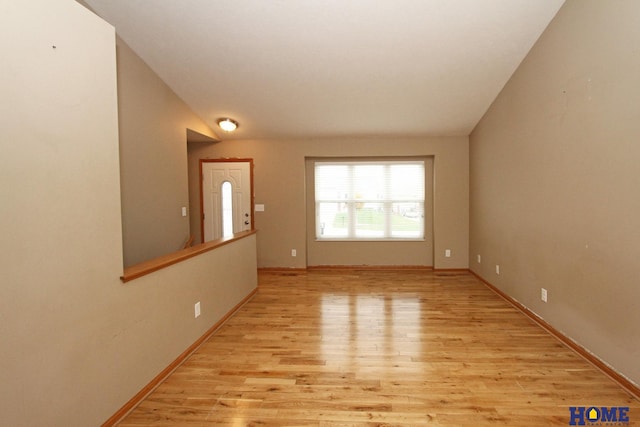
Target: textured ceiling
(320,68)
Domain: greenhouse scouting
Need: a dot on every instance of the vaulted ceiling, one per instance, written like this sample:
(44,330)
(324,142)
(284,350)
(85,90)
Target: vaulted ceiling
(324,68)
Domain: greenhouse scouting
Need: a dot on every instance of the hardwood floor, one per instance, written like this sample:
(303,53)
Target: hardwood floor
(378,348)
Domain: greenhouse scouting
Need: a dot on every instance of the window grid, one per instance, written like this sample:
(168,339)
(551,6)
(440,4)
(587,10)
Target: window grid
(369,200)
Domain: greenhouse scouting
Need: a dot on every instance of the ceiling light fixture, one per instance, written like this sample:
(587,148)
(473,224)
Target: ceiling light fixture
(228,125)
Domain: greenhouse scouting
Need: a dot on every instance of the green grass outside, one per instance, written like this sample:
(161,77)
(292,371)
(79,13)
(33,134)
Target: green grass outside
(369,219)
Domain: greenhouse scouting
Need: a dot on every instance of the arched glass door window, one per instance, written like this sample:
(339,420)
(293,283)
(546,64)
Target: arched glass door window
(227,209)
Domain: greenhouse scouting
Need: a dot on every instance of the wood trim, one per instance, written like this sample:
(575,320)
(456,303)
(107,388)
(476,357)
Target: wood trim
(164,261)
(369,267)
(281,270)
(146,390)
(622,381)
(188,243)
(251,196)
(345,268)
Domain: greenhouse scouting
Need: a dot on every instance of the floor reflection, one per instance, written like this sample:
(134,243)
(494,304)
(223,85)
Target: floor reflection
(376,348)
(374,334)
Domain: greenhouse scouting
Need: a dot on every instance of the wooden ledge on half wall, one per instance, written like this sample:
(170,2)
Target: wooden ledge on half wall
(144,268)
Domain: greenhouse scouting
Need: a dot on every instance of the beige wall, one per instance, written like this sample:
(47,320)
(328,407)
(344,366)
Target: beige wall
(77,343)
(280,186)
(153,160)
(555,182)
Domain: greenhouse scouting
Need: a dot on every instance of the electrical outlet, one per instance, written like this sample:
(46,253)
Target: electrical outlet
(479,259)
(543,294)
(184,211)
(447,253)
(497,269)
(294,252)
(196,309)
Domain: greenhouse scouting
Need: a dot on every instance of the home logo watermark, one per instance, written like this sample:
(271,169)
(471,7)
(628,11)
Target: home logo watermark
(599,416)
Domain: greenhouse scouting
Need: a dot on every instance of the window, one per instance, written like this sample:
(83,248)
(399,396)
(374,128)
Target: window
(227,209)
(369,200)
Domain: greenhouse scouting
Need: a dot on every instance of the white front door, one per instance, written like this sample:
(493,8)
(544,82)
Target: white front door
(222,207)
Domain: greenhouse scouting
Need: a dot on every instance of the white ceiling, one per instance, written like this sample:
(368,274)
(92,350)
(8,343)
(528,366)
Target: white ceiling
(318,68)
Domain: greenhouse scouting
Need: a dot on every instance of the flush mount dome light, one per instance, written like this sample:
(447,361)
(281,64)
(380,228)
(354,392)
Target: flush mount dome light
(228,125)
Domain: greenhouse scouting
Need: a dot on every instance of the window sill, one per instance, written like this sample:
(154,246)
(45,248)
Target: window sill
(147,267)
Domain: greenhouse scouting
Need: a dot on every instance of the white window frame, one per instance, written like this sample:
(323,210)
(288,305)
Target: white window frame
(384,198)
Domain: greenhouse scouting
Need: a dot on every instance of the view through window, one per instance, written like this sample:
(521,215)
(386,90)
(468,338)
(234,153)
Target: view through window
(369,200)
(227,209)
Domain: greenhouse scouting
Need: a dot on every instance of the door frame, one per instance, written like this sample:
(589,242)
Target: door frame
(251,195)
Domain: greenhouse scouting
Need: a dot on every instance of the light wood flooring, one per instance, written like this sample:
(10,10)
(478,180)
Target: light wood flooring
(375,348)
